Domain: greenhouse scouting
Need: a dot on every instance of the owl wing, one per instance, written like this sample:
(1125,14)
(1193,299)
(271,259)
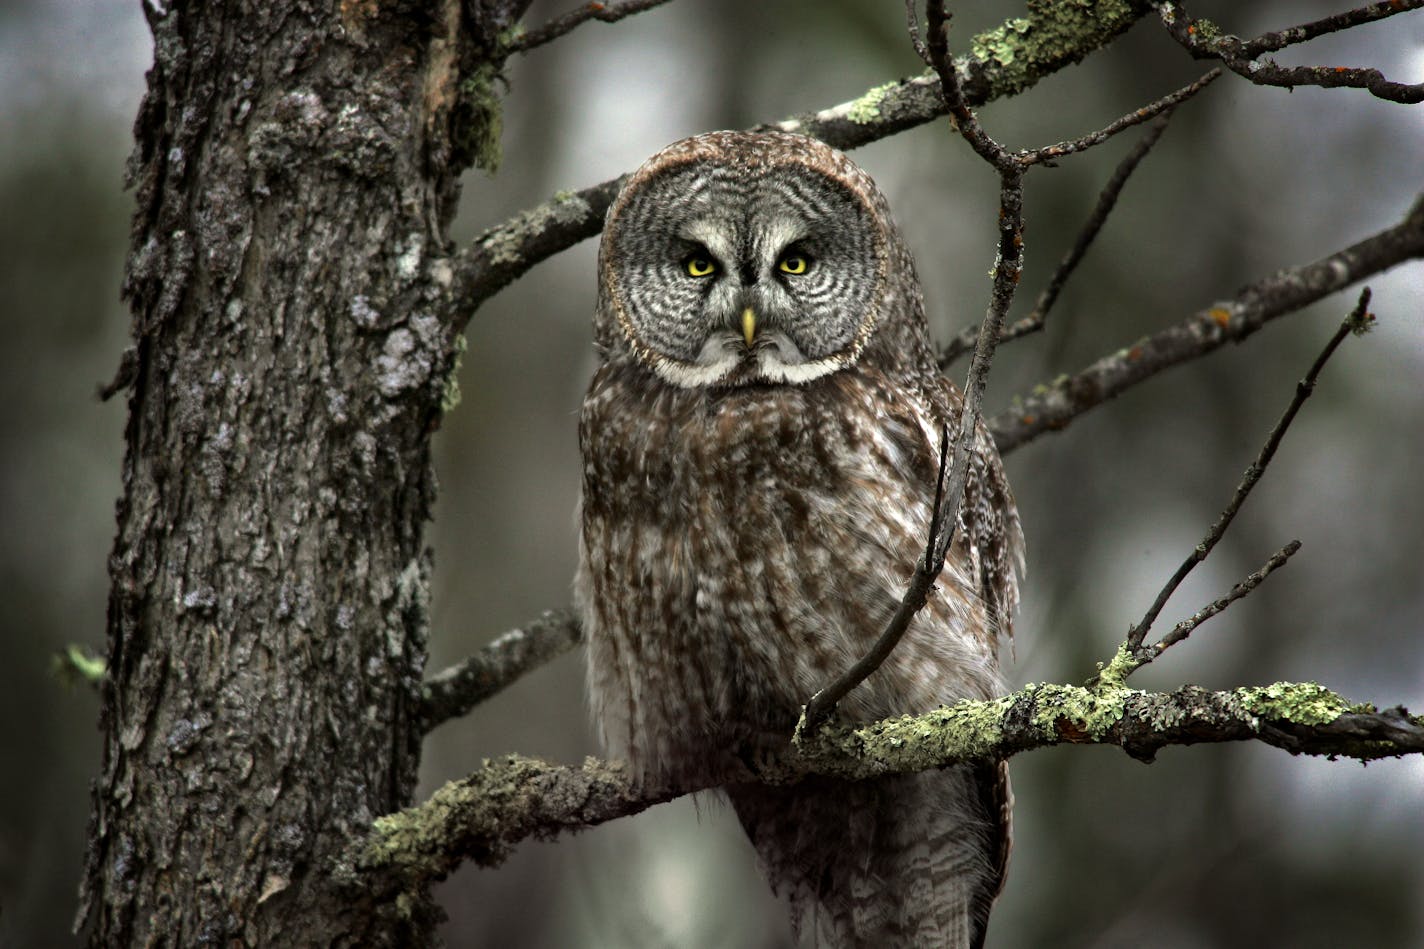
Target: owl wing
(989,519)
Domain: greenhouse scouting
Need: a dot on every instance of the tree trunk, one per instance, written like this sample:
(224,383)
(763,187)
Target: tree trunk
(296,167)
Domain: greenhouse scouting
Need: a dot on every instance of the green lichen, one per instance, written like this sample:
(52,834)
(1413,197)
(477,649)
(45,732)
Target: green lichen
(1093,712)
(1207,30)
(973,729)
(450,399)
(1114,674)
(963,731)
(867,107)
(1305,703)
(1022,50)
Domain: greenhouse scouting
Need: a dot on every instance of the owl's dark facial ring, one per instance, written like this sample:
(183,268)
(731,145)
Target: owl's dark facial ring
(727,277)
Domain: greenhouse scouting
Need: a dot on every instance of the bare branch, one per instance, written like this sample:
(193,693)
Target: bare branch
(1252,476)
(454,691)
(1107,200)
(557,27)
(1053,407)
(483,816)
(1204,40)
(1162,106)
(1008,60)
(967,124)
(1270,42)
(1184,629)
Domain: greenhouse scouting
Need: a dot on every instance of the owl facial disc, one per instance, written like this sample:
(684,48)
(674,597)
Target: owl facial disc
(743,272)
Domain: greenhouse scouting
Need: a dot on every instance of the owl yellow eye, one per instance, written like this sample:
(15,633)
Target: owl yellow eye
(793,264)
(699,266)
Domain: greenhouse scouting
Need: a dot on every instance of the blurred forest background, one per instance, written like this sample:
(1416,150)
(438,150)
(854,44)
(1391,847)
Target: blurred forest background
(1210,846)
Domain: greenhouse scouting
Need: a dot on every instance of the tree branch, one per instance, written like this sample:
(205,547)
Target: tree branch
(1003,62)
(1204,40)
(1356,321)
(1107,200)
(483,816)
(557,27)
(1184,629)
(1053,407)
(454,691)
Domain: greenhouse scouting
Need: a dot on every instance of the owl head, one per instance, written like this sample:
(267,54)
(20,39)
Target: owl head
(737,258)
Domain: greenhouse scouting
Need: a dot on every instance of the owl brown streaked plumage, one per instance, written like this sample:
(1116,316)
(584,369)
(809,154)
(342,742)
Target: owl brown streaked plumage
(760,446)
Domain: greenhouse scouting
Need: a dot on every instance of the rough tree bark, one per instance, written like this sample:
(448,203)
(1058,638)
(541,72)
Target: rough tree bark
(296,167)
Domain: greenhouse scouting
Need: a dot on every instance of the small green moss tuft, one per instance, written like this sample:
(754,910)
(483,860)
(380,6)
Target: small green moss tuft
(479,120)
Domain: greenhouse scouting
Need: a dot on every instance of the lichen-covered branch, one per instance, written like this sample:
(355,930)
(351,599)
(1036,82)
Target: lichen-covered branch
(1002,62)
(483,816)
(1054,406)
(454,691)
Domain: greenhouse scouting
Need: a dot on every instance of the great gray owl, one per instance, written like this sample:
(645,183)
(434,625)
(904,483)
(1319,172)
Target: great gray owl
(760,446)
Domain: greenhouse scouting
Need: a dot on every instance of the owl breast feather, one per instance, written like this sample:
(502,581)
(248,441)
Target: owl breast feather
(742,547)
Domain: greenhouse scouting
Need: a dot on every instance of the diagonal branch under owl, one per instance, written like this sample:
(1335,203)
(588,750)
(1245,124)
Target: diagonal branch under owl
(950,487)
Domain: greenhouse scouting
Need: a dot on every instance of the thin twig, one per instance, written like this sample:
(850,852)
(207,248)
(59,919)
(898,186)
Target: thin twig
(1205,41)
(1253,474)
(1280,39)
(1164,105)
(1184,629)
(1107,200)
(937,25)
(454,691)
(912,25)
(557,27)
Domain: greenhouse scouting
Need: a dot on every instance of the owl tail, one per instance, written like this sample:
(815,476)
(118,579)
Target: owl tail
(912,860)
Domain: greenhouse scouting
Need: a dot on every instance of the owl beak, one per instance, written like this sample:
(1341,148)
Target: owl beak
(749,325)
